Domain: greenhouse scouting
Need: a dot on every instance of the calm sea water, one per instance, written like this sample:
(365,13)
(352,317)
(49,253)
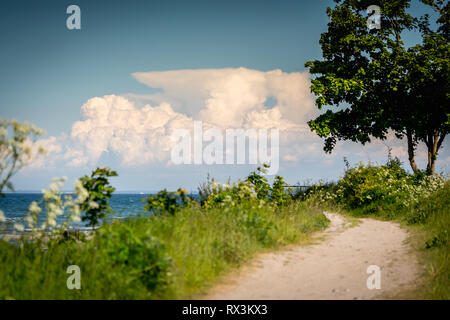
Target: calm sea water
(15,207)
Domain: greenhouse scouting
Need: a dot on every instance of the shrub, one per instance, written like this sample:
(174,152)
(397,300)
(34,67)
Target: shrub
(261,186)
(165,201)
(96,206)
(252,191)
(118,263)
(139,257)
(205,189)
(387,188)
(55,206)
(240,194)
(279,192)
(430,208)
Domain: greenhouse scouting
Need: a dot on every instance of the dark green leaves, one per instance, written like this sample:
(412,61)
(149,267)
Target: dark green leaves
(165,201)
(386,85)
(96,206)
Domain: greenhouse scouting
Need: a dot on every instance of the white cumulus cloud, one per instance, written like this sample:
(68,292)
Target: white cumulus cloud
(221,98)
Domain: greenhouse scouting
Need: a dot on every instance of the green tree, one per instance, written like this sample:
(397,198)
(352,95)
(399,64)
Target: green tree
(280,191)
(371,83)
(256,178)
(16,149)
(428,75)
(96,205)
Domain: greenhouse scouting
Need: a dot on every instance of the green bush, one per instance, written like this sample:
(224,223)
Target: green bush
(259,182)
(116,264)
(280,193)
(137,256)
(241,194)
(96,206)
(165,201)
(205,189)
(252,191)
(385,189)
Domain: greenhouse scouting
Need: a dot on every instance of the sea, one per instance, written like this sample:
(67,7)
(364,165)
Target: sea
(15,208)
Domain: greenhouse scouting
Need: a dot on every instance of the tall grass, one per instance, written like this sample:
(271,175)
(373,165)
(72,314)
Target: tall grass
(153,257)
(431,221)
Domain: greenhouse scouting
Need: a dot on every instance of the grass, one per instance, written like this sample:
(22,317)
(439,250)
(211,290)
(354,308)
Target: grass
(177,254)
(229,239)
(153,257)
(430,221)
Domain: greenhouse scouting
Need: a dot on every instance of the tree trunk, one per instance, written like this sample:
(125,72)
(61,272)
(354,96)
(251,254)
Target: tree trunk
(411,148)
(434,143)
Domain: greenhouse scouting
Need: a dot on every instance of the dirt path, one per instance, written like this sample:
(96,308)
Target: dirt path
(335,268)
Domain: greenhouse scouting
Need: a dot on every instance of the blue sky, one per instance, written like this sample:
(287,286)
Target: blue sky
(47,67)
(50,72)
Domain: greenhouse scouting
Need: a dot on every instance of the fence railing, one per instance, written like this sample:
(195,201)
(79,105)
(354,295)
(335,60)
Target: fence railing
(299,188)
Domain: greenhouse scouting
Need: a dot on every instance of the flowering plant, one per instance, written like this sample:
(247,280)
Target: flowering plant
(372,188)
(56,205)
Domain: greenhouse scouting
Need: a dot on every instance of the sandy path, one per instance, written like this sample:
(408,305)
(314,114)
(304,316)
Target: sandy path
(335,268)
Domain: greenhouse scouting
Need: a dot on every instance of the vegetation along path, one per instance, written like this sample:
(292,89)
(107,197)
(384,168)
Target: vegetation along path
(335,268)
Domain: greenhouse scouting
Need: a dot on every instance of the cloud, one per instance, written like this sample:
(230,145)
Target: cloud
(222,99)
(236,98)
(113,124)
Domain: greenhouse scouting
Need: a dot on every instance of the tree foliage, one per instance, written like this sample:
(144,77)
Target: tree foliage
(165,201)
(16,149)
(96,205)
(375,84)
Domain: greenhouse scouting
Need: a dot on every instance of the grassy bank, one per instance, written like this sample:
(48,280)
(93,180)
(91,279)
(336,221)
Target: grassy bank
(429,222)
(172,253)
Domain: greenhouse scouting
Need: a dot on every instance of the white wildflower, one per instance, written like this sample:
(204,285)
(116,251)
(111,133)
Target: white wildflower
(82,193)
(31,220)
(51,222)
(34,208)
(19,227)
(93,205)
